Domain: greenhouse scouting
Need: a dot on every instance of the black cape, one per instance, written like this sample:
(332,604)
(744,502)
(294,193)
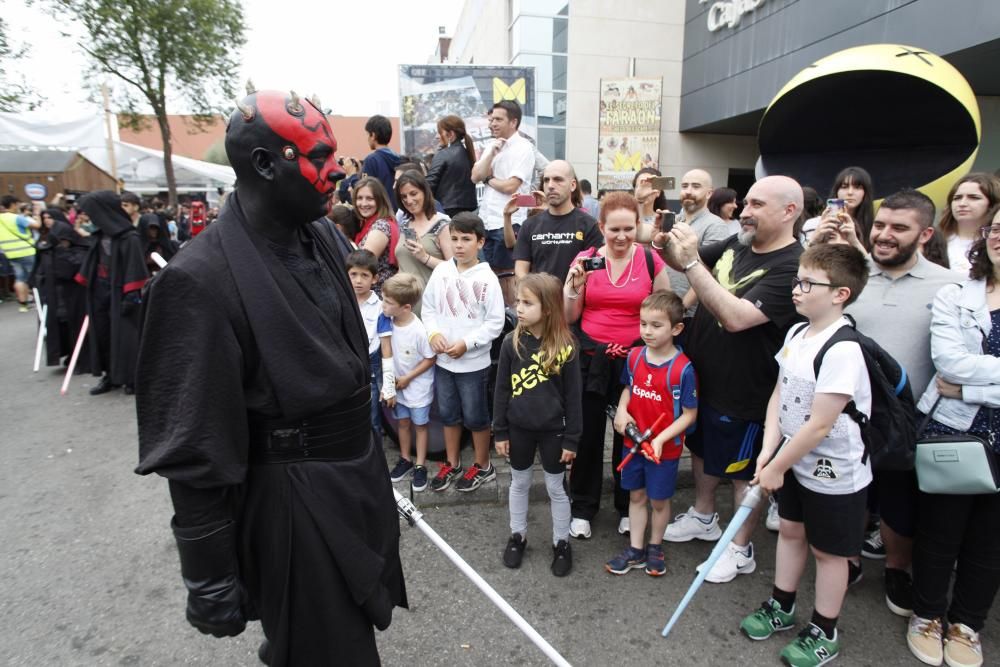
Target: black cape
(114,272)
(56,266)
(228,332)
(163,244)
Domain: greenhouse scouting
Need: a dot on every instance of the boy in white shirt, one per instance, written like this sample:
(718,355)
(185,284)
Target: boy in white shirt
(464,313)
(413,364)
(361,269)
(821,470)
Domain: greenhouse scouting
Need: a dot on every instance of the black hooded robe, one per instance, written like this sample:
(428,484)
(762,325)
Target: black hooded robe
(230,336)
(66,302)
(114,273)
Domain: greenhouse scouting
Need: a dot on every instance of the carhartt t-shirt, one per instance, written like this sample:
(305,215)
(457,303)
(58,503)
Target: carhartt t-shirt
(552,242)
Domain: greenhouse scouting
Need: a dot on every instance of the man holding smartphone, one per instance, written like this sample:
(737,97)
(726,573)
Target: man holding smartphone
(550,240)
(505,168)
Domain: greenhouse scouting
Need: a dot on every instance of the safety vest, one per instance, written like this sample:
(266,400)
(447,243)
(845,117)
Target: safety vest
(13,244)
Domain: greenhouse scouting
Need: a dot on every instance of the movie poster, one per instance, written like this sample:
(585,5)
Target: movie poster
(430,92)
(629,134)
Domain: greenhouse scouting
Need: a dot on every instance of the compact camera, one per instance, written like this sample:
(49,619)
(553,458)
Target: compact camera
(595,263)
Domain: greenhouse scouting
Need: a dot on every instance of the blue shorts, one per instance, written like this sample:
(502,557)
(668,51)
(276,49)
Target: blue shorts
(22,268)
(659,479)
(419,416)
(496,252)
(462,398)
(728,445)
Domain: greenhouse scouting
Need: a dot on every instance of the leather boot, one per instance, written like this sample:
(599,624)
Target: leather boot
(102,387)
(264,652)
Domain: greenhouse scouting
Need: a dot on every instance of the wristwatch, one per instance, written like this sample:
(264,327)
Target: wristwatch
(488,179)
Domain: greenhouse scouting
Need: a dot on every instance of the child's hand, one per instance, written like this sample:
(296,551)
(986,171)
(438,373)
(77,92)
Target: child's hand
(457,349)
(622,419)
(402,381)
(439,344)
(657,446)
(390,401)
(769,479)
(567,456)
(503,447)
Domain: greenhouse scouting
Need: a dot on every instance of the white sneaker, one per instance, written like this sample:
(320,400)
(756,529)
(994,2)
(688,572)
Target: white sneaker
(686,527)
(580,529)
(731,563)
(773,521)
(624,526)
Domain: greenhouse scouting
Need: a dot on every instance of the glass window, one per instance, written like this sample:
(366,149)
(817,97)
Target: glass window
(551,107)
(552,142)
(545,7)
(535,33)
(550,71)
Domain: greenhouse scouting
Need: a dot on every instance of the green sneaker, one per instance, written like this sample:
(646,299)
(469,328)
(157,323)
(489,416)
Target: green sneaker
(811,648)
(767,620)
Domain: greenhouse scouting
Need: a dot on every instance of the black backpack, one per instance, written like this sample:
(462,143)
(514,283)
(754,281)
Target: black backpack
(890,436)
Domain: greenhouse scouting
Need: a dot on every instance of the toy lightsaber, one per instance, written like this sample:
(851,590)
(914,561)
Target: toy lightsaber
(76,354)
(414,517)
(750,500)
(640,441)
(158,258)
(41,336)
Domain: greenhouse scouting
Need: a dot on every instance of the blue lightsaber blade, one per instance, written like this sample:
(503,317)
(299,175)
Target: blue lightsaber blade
(750,500)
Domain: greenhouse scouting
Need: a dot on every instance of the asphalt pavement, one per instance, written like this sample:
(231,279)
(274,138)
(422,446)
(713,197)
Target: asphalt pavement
(89,572)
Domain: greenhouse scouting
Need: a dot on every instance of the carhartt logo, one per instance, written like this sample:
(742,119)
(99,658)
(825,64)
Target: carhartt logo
(824,469)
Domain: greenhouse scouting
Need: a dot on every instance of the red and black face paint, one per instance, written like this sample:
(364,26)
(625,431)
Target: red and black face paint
(306,135)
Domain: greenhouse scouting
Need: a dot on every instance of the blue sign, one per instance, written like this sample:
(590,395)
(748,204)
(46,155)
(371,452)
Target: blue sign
(35,191)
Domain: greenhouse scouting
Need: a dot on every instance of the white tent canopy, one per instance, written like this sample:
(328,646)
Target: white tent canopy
(141,168)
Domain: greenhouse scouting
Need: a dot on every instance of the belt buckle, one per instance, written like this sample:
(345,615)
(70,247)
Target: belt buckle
(285,439)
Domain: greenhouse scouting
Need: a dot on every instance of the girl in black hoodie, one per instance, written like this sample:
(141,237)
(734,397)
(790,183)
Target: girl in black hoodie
(537,407)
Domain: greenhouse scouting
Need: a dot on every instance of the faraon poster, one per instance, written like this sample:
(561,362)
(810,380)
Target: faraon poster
(629,135)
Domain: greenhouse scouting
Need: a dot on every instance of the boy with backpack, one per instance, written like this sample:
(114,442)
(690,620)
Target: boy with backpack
(814,453)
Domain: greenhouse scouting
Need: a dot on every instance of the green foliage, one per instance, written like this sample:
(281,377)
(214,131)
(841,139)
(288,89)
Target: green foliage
(216,153)
(15,95)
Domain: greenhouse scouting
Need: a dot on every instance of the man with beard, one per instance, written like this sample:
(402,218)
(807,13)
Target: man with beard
(253,401)
(895,310)
(114,273)
(744,287)
(549,240)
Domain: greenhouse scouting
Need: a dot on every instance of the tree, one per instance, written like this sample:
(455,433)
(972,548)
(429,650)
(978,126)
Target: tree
(14,93)
(161,49)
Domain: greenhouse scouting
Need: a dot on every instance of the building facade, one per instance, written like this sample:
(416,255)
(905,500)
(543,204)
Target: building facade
(721,63)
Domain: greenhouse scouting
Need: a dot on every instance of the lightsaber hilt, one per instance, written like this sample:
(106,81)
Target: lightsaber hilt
(407,510)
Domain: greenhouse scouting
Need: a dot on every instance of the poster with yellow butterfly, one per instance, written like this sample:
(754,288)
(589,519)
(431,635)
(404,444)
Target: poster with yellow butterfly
(629,132)
(430,92)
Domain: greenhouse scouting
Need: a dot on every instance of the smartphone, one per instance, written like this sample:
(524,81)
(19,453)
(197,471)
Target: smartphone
(836,205)
(668,221)
(526,201)
(409,234)
(660,183)
(595,263)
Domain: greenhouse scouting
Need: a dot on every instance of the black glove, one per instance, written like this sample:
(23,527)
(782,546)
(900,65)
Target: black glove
(209,569)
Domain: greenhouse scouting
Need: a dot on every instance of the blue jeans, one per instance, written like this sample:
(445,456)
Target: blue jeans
(462,398)
(496,251)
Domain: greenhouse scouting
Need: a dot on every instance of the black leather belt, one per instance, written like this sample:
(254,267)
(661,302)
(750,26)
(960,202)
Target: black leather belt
(343,432)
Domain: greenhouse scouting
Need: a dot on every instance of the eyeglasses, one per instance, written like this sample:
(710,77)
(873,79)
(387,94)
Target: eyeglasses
(990,232)
(806,285)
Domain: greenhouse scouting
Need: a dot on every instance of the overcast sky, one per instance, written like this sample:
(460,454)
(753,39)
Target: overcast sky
(348,53)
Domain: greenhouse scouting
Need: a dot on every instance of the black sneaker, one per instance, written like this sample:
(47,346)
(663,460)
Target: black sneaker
(445,476)
(873,547)
(514,552)
(562,558)
(899,592)
(102,387)
(400,471)
(419,482)
(476,477)
(854,573)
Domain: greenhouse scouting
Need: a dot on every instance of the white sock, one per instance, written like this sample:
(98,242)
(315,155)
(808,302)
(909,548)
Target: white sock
(704,518)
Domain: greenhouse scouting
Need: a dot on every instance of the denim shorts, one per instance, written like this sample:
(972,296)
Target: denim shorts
(496,251)
(462,399)
(22,268)
(659,479)
(419,416)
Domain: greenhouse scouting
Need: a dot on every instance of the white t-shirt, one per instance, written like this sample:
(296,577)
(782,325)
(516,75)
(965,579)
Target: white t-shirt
(370,310)
(516,158)
(834,466)
(958,251)
(409,347)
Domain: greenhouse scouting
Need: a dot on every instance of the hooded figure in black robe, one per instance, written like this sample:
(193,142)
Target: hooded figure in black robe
(253,401)
(156,238)
(114,273)
(60,255)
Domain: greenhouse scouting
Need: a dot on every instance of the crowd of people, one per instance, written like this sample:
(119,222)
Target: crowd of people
(534,314)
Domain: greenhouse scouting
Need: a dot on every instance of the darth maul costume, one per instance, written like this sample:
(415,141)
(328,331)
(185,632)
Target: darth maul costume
(253,401)
(59,256)
(114,273)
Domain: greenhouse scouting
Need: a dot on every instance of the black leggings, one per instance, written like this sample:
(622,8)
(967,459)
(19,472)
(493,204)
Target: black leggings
(965,529)
(587,475)
(548,444)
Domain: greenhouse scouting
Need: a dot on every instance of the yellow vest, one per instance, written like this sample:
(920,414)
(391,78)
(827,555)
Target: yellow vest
(12,243)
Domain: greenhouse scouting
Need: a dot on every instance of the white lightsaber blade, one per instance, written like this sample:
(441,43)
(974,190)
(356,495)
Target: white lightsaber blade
(41,336)
(76,354)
